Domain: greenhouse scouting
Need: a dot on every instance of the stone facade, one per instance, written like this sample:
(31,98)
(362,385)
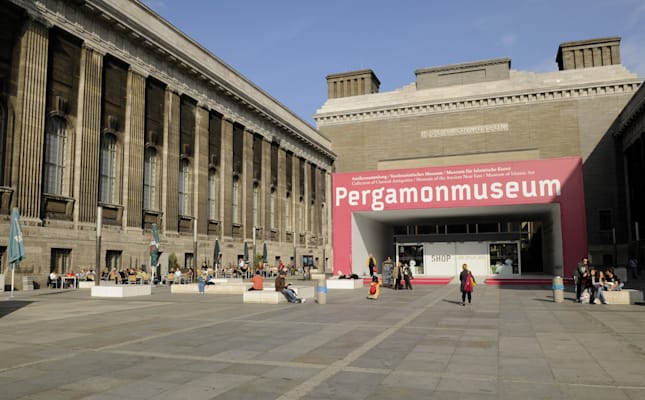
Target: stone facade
(484,112)
(104,104)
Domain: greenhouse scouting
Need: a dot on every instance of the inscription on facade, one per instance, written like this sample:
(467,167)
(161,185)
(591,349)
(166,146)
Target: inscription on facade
(464,130)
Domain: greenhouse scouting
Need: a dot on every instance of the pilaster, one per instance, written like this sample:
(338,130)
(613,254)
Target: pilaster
(246,200)
(226,177)
(29,125)
(134,149)
(170,200)
(89,135)
(201,170)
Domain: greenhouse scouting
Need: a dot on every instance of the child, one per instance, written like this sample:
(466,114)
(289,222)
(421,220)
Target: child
(374,290)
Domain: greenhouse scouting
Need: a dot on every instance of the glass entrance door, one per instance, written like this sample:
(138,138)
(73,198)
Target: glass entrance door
(505,258)
(411,254)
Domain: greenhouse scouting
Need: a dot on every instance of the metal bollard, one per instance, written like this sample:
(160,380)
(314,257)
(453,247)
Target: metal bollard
(321,290)
(558,289)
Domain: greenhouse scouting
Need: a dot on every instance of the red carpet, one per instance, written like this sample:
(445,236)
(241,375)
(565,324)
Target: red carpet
(421,281)
(524,281)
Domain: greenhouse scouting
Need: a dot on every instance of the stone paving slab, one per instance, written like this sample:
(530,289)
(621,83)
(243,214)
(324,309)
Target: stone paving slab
(511,343)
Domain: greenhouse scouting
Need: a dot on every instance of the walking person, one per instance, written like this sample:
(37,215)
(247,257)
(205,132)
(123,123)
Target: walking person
(633,267)
(397,275)
(371,264)
(407,276)
(467,284)
(582,276)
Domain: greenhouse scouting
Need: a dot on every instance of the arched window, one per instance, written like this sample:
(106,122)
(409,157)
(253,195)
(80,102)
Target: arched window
(212,194)
(54,158)
(150,179)
(272,209)
(235,206)
(107,179)
(184,181)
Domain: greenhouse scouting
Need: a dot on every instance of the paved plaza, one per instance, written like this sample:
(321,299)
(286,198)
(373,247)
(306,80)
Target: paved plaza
(511,343)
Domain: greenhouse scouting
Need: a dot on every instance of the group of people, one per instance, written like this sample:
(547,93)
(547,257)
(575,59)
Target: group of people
(404,272)
(591,283)
(281,285)
(55,280)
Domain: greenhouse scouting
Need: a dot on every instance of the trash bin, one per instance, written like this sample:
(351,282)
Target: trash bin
(27,283)
(558,289)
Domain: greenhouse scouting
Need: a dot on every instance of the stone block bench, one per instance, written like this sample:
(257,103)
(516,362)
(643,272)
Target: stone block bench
(230,287)
(625,296)
(344,283)
(270,296)
(120,290)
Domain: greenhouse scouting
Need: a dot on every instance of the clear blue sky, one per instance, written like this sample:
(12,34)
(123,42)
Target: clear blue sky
(288,47)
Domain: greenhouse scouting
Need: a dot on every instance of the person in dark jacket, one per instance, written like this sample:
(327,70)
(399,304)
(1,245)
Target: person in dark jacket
(467,284)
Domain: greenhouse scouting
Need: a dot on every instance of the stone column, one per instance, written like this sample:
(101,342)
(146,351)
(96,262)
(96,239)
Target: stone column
(201,170)
(89,136)
(170,199)
(29,128)
(226,177)
(134,147)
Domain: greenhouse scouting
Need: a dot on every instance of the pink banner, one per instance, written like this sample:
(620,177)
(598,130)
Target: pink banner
(493,184)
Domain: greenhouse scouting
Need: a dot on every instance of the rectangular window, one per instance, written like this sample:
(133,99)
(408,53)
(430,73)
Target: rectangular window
(289,171)
(212,195)
(272,209)
(255,205)
(150,179)
(287,213)
(274,164)
(235,206)
(605,220)
(301,183)
(312,182)
(257,157)
(107,180)
(214,139)
(60,260)
(113,259)
(184,187)
(238,148)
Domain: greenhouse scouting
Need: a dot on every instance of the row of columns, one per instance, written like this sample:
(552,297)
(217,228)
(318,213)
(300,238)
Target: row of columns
(29,136)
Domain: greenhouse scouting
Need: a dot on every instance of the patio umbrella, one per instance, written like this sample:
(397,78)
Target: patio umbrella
(16,245)
(216,253)
(264,252)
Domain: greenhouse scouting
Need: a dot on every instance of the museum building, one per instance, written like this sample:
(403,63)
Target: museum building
(513,172)
(107,109)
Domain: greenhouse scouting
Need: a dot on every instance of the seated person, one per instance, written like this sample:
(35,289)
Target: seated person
(91,275)
(53,280)
(258,281)
(612,281)
(82,275)
(282,286)
(374,290)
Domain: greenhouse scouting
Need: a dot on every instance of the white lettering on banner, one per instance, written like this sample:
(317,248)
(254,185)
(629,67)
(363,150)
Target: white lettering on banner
(378,198)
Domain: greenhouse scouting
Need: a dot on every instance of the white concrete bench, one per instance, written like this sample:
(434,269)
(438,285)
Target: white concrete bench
(344,283)
(625,296)
(120,290)
(218,288)
(270,296)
